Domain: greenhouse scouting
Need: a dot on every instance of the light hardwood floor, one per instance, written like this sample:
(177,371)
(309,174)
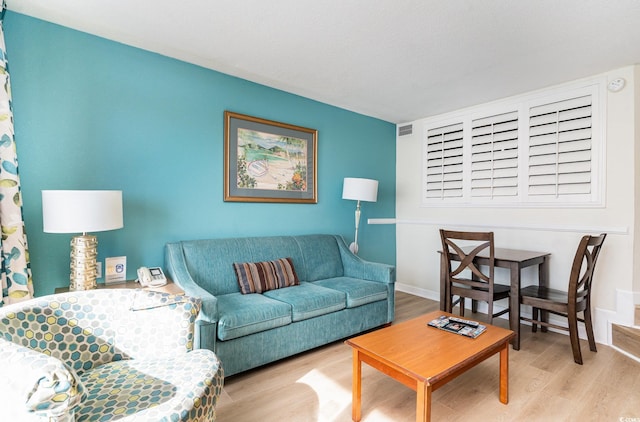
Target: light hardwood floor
(545,385)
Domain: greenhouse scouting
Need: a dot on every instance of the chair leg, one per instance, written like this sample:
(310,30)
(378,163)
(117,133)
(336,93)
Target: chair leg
(534,317)
(461,305)
(588,324)
(452,302)
(575,341)
(490,311)
(474,306)
(544,317)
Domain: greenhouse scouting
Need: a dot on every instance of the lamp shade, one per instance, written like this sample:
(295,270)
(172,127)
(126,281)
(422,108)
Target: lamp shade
(359,189)
(81,211)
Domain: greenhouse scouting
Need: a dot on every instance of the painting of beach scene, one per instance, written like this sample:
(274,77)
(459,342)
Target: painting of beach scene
(271,162)
(268,161)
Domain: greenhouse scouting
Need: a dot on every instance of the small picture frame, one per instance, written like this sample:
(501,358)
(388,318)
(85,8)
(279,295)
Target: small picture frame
(268,161)
(116,270)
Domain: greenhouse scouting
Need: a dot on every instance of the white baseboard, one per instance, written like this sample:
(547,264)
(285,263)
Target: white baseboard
(624,314)
(417,291)
(627,354)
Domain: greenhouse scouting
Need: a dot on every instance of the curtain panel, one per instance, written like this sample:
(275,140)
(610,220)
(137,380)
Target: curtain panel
(15,271)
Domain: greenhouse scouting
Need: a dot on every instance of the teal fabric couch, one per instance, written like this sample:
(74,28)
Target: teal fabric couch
(339,295)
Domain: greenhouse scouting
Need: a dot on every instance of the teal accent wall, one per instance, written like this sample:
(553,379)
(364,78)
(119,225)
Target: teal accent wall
(95,114)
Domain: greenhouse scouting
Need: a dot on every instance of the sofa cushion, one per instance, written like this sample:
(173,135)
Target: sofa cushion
(359,292)
(308,300)
(258,277)
(241,315)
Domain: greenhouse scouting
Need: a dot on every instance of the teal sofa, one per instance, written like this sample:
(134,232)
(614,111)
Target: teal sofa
(339,295)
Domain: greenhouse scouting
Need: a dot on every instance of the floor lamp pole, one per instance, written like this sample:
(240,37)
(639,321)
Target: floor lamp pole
(354,246)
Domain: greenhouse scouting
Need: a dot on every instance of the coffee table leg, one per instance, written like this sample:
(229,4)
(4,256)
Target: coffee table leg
(357,387)
(504,374)
(423,405)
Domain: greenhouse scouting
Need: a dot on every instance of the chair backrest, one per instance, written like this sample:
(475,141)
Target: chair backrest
(583,267)
(461,249)
(88,328)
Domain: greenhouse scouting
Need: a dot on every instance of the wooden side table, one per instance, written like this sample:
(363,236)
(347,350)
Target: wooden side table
(170,287)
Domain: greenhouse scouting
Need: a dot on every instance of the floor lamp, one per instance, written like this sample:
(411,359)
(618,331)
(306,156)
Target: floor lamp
(358,189)
(82,211)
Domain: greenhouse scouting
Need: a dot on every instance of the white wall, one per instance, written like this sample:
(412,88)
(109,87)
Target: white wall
(636,237)
(533,228)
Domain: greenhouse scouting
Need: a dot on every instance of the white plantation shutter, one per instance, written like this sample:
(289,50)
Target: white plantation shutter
(494,156)
(443,169)
(560,142)
(542,149)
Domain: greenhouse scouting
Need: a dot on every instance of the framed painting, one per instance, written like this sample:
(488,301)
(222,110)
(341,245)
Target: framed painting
(267,161)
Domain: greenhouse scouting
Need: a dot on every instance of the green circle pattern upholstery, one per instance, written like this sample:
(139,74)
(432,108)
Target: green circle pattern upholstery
(111,354)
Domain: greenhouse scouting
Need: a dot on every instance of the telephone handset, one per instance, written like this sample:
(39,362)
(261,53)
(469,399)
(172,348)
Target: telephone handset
(151,277)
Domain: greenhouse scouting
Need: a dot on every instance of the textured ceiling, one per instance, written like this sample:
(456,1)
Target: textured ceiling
(397,60)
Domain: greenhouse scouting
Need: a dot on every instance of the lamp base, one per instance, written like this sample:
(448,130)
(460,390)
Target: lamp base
(353,247)
(84,250)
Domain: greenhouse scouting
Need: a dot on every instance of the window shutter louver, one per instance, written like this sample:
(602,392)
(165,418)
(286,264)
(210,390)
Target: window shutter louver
(444,162)
(494,156)
(560,136)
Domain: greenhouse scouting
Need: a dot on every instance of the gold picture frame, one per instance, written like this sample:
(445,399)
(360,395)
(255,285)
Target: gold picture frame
(269,161)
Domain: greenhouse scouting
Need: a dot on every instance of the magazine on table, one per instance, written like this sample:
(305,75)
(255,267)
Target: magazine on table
(460,326)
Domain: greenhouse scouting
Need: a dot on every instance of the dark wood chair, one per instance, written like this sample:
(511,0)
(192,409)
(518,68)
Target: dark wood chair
(568,303)
(463,277)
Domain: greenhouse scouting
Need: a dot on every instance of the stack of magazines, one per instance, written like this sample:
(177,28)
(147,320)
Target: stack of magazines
(460,326)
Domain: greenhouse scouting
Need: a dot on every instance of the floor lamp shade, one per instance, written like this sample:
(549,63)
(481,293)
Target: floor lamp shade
(82,211)
(358,189)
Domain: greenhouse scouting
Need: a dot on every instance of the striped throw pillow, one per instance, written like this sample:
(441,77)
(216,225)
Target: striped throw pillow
(258,277)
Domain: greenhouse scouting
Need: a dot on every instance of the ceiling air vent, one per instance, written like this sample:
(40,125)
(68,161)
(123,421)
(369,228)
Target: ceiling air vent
(405,130)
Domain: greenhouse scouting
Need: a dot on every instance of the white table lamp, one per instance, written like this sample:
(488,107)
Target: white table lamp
(82,211)
(358,189)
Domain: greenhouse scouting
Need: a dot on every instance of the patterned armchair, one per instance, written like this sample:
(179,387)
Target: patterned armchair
(101,355)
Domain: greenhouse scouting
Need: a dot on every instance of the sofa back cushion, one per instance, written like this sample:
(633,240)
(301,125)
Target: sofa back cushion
(321,257)
(210,262)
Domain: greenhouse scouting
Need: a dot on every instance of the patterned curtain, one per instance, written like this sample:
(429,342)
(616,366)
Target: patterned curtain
(15,271)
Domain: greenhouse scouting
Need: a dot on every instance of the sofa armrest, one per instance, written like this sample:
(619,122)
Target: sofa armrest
(356,267)
(34,384)
(176,267)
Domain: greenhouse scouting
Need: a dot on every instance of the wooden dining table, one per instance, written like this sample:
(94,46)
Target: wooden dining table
(514,260)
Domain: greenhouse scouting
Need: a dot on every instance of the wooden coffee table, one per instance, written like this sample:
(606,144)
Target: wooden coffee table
(425,358)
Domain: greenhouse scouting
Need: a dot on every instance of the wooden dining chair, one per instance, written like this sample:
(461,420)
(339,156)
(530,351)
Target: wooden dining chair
(464,277)
(568,303)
